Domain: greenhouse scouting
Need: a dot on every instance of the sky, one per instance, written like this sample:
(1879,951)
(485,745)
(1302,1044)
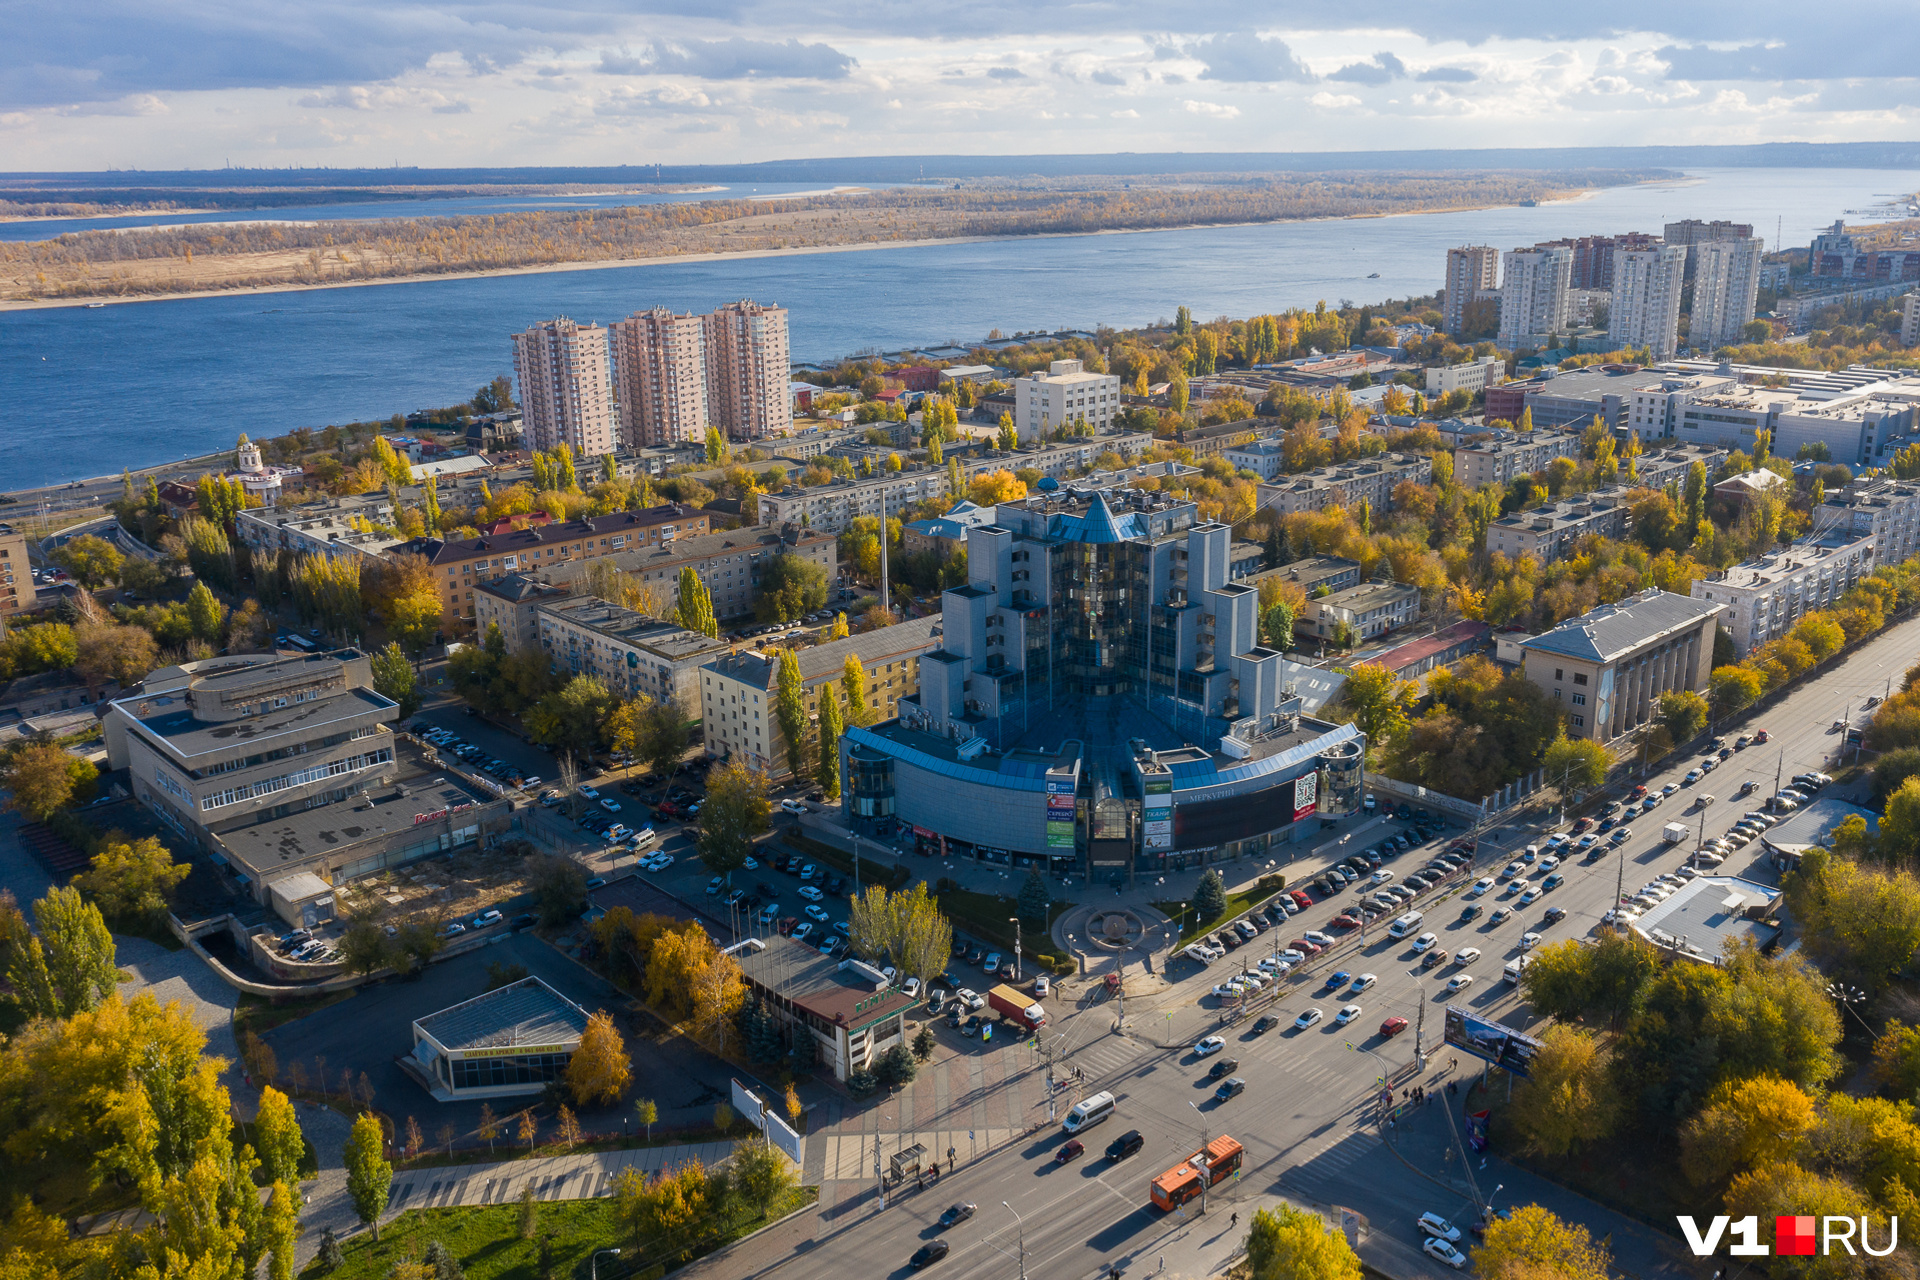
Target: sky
(157,84)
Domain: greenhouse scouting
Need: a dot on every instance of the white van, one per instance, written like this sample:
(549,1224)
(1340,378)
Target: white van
(1515,967)
(1089,1113)
(1405,925)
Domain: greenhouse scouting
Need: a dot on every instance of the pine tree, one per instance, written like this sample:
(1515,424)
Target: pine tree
(1210,897)
(440,1258)
(1034,897)
(763,1038)
(330,1256)
(828,773)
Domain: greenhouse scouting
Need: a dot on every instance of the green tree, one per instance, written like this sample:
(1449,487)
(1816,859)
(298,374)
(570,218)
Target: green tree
(1177,393)
(791,587)
(277,1137)
(1731,689)
(205,614)
(896,1067)
(853,687)
(1862,922)
(1683,713)
(717,451)
(1277,627)
(1567,1100)
(1900,824)
(696,605)
(828,773)
(1285,1243)
(1559,982)
(1896,1060)
(573,717)
(762,1174)
(42,779)
(647,1112)
(393,678)
(69,967)
(559,888)
(369,1176)
(1008,437)
(906,929)
(94,562)
(1575,765)
(1380,702)
(736,811)
(790,708)
(1034,898)
(1209,897)
(132,881)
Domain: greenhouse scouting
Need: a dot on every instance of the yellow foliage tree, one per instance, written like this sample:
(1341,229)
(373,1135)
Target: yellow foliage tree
(600,1068)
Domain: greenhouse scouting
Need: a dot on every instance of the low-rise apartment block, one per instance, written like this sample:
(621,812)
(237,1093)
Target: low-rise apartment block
(1551,531)
(729,563)
(1764,597)
(1335,573)
(1265,458)
(461,564)
(1347,484)
(360,526)
(1608,667)
(1368,610)
(736,691)
(1657,470)
(1066,394)
(945,534)
(1473,377)
(16,572)
(512,604)
(632,654)
(1499,461)
(1889,510)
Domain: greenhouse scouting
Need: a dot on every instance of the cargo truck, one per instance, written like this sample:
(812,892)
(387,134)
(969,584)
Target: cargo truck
(1016,1006)
(1674,832)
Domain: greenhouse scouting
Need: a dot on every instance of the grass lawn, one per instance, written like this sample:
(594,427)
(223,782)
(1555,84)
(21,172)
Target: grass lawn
(986,917)
(486,1240)
(259,1013)
(1237,904)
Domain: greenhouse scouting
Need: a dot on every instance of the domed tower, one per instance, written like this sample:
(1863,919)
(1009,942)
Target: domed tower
(248,455)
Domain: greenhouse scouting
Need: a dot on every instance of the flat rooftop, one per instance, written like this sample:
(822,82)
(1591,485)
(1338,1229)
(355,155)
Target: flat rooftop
(264,847)
(527,1015)
(1707,913)
(821,985)
(1814,823)
(173,721)
(668,639)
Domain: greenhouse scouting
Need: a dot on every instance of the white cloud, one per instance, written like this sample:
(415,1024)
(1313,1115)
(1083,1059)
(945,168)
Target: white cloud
(1333,101)
(1128,114)
(1217,110)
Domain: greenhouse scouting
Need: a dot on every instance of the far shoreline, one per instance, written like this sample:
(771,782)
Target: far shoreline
(41,304)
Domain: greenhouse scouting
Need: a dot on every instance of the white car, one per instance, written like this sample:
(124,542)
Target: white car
(1380,877)
(810,893)
(1528,941)
(1512,869)
(1425,940)
(816,912)
(1306,1019)
(975,1001)
(1459,982)
(1228,990)
(1549,862)
(1255,981)
(1290,956)
(1480,886)
(1362,983)
(792,806)
(1348,1014)
(610,805)
(912,988)
(1210,1045)
(1466,956)
(1441,1251)
(586,792)
(1500,915)
(1274,964)
(659,862)
(1436,1227)
(642,838)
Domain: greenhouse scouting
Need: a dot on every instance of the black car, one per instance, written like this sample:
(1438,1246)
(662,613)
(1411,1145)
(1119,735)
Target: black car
(1231,1089)
(953,1015)
(525,920)
(928,1254)
(1556,914)
(1265,1024)
(956,1213)
(1125,1145)
(1224,1067)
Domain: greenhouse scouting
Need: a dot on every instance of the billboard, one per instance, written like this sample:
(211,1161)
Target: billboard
(1502,1046)
(1060,813)
(1306,794)
(1157,815)
(762,1117)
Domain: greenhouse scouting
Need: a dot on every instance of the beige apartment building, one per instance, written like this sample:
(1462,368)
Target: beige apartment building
(1471,270)
(566,387)
(1345,484)
(1499,460)
(736,691)
(1608,667)
(1764,597)
(747,363)
(16,573)
(660,370)
(1551,531)
(1066,394)
(632,654)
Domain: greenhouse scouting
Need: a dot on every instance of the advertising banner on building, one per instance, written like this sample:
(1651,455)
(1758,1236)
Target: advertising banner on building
(1502,1046)
(1306,794)
(1157,815)
(1060,813)
(749,1107)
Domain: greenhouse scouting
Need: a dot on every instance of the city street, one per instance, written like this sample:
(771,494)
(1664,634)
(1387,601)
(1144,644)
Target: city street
(1306,1116)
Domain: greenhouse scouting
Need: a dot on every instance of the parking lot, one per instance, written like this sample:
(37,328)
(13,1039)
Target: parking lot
(492,741)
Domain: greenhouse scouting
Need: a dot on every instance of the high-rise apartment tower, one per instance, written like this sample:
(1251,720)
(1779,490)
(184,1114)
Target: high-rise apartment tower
(660,368)
(1726,284)
(747,365)
(1533,295)
(1471,270)
(1646,299)
(566,387)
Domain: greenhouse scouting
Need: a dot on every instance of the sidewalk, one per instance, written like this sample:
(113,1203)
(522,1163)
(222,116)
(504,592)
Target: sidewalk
(579,1176)
(1198,1247)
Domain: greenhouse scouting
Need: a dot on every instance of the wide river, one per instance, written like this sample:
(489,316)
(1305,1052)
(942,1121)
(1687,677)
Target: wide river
(89,390)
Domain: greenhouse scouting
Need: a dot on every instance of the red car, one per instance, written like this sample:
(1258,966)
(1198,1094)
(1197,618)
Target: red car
(1585,824)
(1346,922)
(1637,793)
(1392,1027)
(1073,1150)
(1760,736)
(1304,947)
(787,924)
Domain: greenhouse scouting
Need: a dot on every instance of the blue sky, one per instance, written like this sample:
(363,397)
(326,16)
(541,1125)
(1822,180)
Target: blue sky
(87,84)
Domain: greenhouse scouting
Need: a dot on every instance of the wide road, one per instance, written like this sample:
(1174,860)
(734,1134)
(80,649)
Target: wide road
(1307,1116)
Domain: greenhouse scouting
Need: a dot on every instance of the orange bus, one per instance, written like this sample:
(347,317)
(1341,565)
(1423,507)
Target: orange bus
(1220,1161)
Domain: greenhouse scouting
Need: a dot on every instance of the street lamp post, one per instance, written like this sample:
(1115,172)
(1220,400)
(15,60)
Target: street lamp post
(1015,922)
(1023,1236)
(1847,996)
(593,1266)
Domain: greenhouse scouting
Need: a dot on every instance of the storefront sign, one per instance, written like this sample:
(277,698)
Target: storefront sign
(1060,813)
(1156,814)
(438,814)
(1306,793)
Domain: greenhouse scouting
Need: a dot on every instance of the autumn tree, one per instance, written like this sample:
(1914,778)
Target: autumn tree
(393,678)
(828,772)
(736,811)
(277,1137)
(105,652)
(695,609)
(1746,1124)
(132,881)
(1531,1243)
(369,1176)
(94,562)
(905,929)
(1567,1100)
(68,967)
(1683,713)
(1380,701)
(600,1068)
(1285,1243)
(853,687)
(1575,765)
(790,708)
(762,1174)
(43,779)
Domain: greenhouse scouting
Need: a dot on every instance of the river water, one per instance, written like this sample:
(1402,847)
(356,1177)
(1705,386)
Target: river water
(90,390)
